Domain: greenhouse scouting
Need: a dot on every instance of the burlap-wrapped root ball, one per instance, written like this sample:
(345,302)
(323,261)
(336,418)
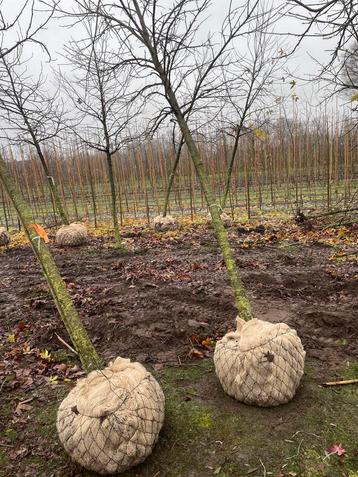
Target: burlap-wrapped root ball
(226,219)
(111,420)
(260,363)
(163,224)
(71,235)
(4,237)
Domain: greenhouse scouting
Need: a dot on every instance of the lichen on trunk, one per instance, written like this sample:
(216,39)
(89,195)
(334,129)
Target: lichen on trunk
(241,300)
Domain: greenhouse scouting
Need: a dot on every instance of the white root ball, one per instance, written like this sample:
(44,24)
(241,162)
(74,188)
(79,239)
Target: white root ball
(111,420)
(71,235)
(226,219)
(4,237)
(163,224)
(260,363)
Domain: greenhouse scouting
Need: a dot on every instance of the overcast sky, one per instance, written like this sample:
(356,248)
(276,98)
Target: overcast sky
(301,64)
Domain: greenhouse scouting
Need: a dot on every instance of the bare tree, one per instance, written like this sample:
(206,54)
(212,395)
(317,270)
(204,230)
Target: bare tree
(250,93)
(329,19)
(334,20)
(25,24)
(180,73)
(29,115)
(100,100)
(247,81)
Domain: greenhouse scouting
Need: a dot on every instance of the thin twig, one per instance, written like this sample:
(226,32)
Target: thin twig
(66,344)
(341,383)
(265,473)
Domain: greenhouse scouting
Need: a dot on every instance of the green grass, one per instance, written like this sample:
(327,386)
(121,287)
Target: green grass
(206,433)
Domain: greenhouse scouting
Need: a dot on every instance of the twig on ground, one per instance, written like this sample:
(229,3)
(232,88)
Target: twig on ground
(298,451)
(341,383)
(66,344)
(251,471)
(263,466)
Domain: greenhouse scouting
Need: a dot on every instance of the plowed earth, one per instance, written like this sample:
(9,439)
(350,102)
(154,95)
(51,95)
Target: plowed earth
(155,303)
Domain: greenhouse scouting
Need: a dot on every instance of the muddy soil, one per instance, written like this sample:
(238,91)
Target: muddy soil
(156,302)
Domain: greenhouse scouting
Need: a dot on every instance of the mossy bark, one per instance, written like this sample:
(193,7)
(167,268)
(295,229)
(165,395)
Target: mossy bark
(241,300)
(88,356)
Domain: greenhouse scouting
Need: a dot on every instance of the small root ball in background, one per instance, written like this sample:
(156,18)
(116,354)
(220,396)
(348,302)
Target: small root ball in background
(164,224)
(71,235)
(4,237)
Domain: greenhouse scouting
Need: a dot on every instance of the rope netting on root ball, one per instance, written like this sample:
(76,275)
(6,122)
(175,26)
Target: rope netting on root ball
(71,235)
(111,420)
(164,224)
(260,363)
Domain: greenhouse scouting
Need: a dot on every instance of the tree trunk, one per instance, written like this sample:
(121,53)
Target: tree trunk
(231,166)
(56,201)
(93,194)
(54,193)
(117,233)
(88,356)
(171,178)
(241,300)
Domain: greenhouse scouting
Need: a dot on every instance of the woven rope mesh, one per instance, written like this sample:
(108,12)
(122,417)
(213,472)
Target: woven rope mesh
(163,224)
(71,235)
(261,363)
(4,237)
(111,420)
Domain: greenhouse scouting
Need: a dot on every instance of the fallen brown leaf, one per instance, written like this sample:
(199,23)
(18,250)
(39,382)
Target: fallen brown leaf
(195,353)
(23,407)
